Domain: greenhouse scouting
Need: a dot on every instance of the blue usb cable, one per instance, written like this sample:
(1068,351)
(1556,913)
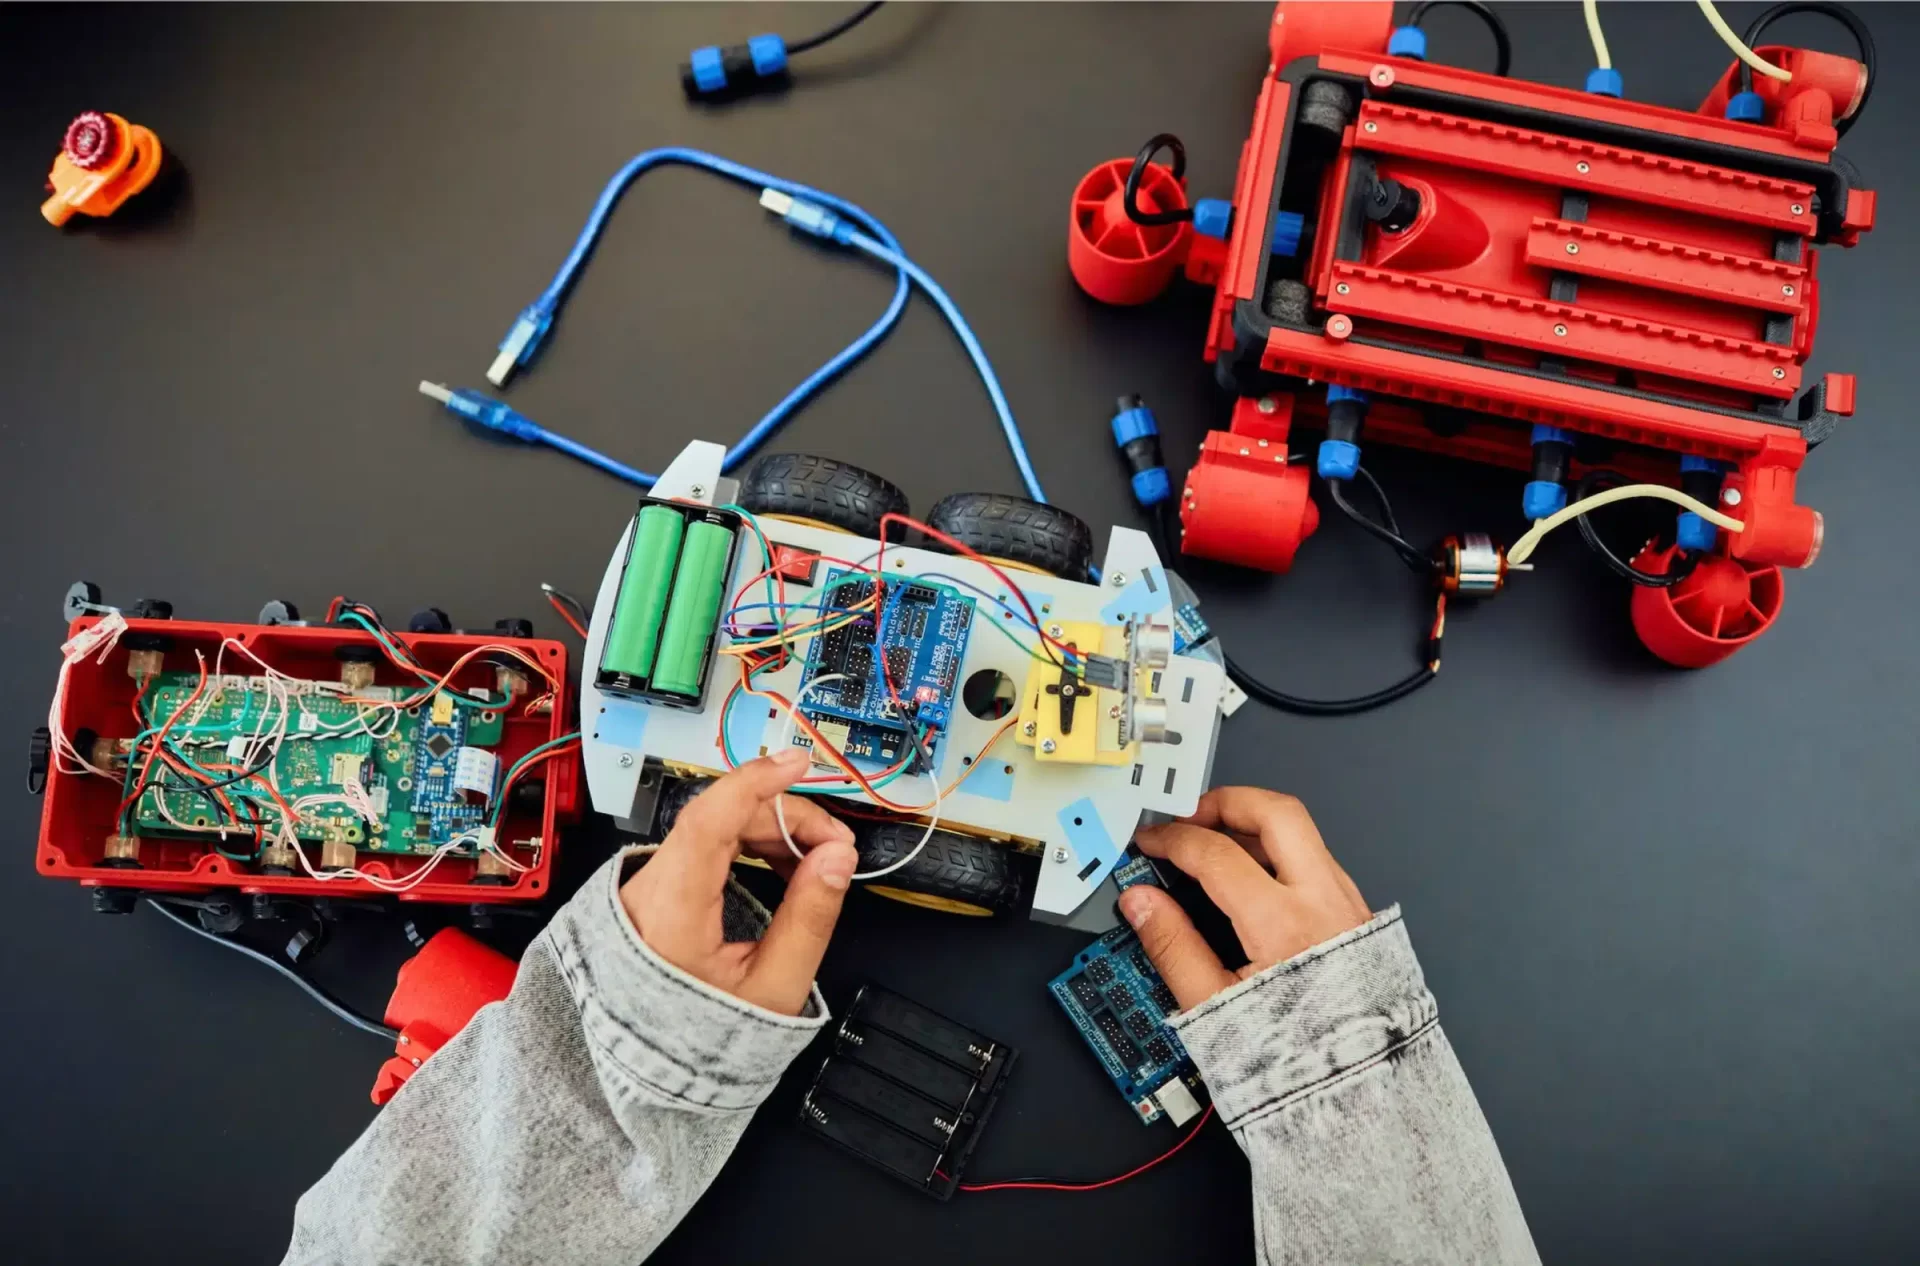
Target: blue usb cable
(811,210)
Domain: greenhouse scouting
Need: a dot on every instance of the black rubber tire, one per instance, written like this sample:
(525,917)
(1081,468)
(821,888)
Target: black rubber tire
(674,797)
(1017,529)
(955,868)
(821,489)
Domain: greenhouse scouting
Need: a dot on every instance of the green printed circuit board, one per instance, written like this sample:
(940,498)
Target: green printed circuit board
(413,776)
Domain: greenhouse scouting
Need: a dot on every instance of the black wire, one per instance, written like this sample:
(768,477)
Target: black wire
(1162,533)
(1502,42)
(1388,532)
(1130,195)
(340,1009)
(1862,41)
(1591,483)
(835,31)
(1257,689)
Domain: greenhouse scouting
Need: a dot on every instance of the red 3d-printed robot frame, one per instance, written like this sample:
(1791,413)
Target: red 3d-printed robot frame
(1633,283)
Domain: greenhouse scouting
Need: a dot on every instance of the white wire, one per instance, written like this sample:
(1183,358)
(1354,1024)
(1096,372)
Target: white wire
(1599,38)
(1523,548)
(105,635)
(780,801)
(1740,50)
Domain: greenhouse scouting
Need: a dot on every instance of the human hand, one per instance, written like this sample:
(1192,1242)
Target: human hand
(676,899)
(1236,836)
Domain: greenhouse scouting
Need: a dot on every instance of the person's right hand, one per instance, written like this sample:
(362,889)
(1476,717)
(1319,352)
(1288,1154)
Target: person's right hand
(1262,861)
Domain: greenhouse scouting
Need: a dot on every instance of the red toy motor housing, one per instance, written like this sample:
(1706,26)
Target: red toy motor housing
(438,991)
(81,809)
(1474,257)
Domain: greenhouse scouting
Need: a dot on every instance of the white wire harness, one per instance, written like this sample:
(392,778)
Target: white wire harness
(780,806)
(284,718)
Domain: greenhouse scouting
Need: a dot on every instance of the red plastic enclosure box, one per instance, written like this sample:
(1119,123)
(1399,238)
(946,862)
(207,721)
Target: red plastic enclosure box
(80,808)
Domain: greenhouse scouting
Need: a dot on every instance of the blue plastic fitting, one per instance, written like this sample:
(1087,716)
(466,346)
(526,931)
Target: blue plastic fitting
(1151,487)
(769,53)
(1542,497)
(1213,217)
(1337,459)
(1544,434)
(1605,81)
(1408,41)
(1335,394)
(1133,424)
(1746,107)
(1287,228)
(709,71)
(1694,533)
(1689,463)
(1136,433)
(494,416)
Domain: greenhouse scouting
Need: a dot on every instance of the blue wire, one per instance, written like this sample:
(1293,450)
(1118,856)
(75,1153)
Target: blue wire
(556,293)
(889,252)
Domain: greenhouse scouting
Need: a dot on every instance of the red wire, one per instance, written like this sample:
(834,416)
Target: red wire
(566,615)
(1043,1185)
(146,770)
(975,555)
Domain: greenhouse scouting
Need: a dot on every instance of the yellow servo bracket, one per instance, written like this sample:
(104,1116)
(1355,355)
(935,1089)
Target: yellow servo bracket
(1063,718)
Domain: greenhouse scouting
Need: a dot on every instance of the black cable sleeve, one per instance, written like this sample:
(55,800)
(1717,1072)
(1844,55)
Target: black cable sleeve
(1502,41)
(1130,195)
(835,31)
(1591,483)
(340,1010)
(1259,690)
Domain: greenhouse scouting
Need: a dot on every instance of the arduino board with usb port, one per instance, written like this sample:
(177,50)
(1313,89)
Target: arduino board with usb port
(1118,1002)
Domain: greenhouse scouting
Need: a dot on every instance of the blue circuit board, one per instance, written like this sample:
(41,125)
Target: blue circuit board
(913,654)
(1189,628)
(434,795)
(1116,998)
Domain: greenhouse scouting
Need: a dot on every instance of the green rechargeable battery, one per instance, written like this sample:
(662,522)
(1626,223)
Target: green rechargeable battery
(634,634)
(694,610)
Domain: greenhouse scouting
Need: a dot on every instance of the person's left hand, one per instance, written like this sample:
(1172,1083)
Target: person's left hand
(676,899)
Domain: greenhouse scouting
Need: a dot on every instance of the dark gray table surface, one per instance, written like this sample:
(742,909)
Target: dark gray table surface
(1669,916)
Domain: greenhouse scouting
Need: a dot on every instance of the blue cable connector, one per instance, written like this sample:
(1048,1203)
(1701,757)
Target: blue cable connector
(1546,492)
(1338,456)
(1136,433)
(496,418)
(1605,81)
(812,211)
(1408,41)
(821,222)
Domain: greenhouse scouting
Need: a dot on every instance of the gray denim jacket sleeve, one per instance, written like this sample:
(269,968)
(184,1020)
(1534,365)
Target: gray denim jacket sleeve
(1365,1140)
(578,1120)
